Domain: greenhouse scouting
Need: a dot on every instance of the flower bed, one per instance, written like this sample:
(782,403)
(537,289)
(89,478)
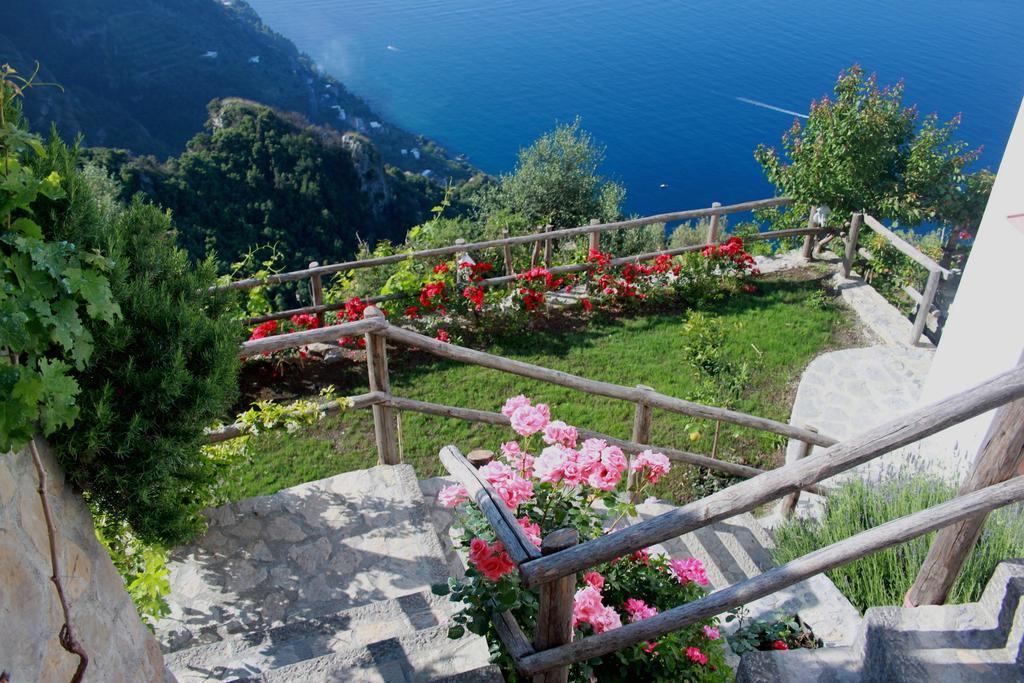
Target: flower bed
(551,480)
(450,295)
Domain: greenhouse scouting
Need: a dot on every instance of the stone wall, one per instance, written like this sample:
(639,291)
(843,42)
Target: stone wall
(120,647)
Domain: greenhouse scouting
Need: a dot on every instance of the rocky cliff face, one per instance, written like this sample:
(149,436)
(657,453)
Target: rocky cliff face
(373,181)
(119,646)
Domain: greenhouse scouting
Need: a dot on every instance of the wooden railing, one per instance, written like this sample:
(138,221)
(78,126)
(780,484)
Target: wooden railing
(925,299)
(546,235)
(377,330)
(553,568)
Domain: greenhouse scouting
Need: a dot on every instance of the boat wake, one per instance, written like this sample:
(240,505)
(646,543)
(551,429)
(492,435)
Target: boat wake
(765,105)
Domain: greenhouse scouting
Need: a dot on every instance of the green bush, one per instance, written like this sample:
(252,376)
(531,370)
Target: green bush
(884,577)
(158,376)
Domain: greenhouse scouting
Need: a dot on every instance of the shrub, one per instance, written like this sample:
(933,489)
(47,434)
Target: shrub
(556,181)
(552,487)
(158,376)
(884,577)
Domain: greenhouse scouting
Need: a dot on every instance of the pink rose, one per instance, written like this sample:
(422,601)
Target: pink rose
(532,530)
(606,620)
(604,478)
(652,465)
(560,433)
(594,579)
(690,569)
(512,488)
(639,610)
(520,461)
(527,420)
(513,403)
(696,655)
(450,496)
(549,467)
(572,472)
(712,633)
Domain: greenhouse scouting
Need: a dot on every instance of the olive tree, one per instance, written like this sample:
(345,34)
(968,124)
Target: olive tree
(557,181)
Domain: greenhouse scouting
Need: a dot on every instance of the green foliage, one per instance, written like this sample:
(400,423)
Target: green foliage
(158,375)
(884,577)
(260,262)
(690,233)
(761,634)
(265,177)
(722,377)
(49,289)
(142,566)
(862,150)
(556,181)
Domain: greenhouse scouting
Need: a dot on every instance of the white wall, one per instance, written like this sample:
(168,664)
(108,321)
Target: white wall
(984,333)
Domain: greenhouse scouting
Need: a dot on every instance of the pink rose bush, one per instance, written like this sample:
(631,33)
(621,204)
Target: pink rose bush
(549,479)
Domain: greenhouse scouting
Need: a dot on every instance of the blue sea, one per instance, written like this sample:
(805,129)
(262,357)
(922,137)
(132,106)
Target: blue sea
(680,93)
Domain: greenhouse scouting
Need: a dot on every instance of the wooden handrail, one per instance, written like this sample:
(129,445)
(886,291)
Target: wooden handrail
(555,270)
(749,494)
(332,333)
(905,247)
(488,244)
(589,386)
(845,551)
(498,419)
(507,529)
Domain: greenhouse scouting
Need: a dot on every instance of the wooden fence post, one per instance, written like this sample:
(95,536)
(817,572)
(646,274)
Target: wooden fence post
(1000,457)
(506,251)
(595,237)
(808,251)
(316,290)
(851,243)
(641,434)
(384,426)
(788,504)
(925,307)
(547,246)
(554,618)
(714,228)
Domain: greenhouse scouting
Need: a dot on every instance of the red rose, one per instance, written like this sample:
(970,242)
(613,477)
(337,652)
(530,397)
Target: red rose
(779,645)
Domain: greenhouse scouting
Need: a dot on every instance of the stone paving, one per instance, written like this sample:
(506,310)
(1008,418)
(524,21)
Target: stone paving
(306,551)
(976,642)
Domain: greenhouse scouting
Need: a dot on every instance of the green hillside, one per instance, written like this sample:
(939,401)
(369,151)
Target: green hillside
(139,75)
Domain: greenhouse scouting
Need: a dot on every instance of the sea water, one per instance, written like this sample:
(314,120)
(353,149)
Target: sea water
(680,93)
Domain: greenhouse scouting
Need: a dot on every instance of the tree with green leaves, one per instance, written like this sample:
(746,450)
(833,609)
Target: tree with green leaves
(557,181)
(51,288)
(863,150)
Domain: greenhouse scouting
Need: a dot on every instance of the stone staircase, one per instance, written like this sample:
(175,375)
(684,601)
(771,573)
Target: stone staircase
(739,548)
(327,581)
(978,642)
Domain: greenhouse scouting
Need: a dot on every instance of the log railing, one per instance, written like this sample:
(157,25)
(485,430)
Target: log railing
(545,236)
(925,299)
(553,569)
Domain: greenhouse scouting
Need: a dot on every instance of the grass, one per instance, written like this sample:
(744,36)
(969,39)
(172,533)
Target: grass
(776,331)
(884,577)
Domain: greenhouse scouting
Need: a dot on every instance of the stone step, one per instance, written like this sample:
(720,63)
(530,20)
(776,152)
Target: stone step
(303,553)
(425,655)
(982,641)
(250,654)
(738,549)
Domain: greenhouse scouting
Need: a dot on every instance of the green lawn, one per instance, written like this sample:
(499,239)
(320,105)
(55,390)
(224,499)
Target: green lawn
(777,331)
